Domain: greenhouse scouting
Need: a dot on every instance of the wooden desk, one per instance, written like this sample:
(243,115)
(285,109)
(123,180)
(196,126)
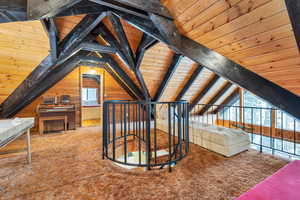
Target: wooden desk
(52,118)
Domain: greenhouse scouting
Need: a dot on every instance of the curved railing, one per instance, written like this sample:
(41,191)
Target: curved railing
(145,134)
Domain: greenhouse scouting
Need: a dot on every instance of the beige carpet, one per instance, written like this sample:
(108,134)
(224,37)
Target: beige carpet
(69,166)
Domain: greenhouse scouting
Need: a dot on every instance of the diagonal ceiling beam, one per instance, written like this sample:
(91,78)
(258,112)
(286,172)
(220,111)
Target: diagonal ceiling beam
(293,7)
(123,76)
(125,47)
(143,84)
(229,100)
(12,10)
(189,83)
(52,32)
(80,32)
(136,7)
(120,82)
(166,31)
(43,70)
(56,73)
(145,43)
(198,98)
(171,70)
(215,98)
(112,41)
(38,9)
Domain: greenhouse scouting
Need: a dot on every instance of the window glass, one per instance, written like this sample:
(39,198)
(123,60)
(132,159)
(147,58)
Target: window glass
(254,112)
(285,121)
(231,113)
(89,96)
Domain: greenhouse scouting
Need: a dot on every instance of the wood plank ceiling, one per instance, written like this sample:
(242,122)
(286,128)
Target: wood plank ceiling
(254,33)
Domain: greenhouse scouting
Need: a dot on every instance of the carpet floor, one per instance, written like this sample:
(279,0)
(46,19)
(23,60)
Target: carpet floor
(69,166)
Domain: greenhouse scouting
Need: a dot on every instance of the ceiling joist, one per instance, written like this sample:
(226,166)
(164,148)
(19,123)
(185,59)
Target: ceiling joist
(189,83)
(231,99)
(215,98)
(171,70)
(207,87)
(164,30)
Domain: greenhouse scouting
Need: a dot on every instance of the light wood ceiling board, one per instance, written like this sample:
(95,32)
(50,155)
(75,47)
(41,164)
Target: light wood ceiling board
(134,36)
(154,66)
(180,77)
(66,24)
(266,24)
(197,16)
(229,14)
(226,94)
(254,16)
(259,39)
(23,45)
(198,85)
(269,47)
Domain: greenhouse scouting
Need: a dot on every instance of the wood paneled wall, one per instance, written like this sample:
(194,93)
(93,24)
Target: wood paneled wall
(71,85)
(22,47)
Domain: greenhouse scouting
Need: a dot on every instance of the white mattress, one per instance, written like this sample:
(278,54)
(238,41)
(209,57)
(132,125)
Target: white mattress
(10,129)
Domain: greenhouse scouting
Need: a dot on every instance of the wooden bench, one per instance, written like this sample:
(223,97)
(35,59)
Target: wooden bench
(52,118)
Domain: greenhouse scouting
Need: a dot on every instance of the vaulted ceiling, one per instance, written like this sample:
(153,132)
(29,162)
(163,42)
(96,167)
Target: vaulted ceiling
(258,35)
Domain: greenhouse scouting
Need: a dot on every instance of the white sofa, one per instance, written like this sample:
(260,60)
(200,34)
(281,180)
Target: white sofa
(225,141)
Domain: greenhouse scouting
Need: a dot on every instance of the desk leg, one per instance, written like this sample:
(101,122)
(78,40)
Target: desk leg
(28,146)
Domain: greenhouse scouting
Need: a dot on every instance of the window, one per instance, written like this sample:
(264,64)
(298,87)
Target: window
(286,122)
(90,96)
(254,112)
(231,113)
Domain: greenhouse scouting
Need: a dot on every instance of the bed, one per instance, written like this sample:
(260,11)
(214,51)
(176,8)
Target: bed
(11,129)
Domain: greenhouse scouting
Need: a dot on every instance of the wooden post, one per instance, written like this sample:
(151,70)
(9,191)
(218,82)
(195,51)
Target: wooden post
(242,111)
(28,146)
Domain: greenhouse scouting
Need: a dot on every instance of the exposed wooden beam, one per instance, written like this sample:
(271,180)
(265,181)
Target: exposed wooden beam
(136,7)
(209,85)
(145,43)
(80,32)
(215,98)
(52,32)
(120,82)
(56,73)
(43,70)
(152,6)
(121,7)
(189,83)
(293,7)
(217,63)
(166,31)
(143,84)
(125,47)
(229,100)
(38,9)
(13,10)
(123,75)
(172,68)
(113,69)
(111,40)
(87,46)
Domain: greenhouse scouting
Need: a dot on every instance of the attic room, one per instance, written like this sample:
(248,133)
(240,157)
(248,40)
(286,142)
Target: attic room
(150,99)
